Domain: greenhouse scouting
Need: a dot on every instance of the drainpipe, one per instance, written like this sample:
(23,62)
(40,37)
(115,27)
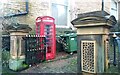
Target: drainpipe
(118,11)
(118,14)
(102,9)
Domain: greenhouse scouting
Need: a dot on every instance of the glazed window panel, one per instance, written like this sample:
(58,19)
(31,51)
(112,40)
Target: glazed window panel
(60,12)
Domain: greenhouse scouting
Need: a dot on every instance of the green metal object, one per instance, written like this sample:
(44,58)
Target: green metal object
(69,42)
(17,64)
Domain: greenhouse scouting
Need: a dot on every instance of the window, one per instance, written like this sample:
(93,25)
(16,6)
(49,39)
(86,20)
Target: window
(59,12)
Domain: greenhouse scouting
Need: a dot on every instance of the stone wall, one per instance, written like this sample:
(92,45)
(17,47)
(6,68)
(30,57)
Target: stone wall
(36,8)
(107,5)
(85,6)
(43,8)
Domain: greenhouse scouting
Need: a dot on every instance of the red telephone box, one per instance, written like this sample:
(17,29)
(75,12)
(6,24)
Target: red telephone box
(45,26)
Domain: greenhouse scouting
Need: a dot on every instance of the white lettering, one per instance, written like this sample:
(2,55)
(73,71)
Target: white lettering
(38,21)
(47,20)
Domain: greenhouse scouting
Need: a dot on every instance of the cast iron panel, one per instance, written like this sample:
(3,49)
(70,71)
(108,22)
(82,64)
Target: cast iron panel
(88,56)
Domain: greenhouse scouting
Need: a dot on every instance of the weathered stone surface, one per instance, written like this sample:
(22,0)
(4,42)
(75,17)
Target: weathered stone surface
(94,18)
(18,27)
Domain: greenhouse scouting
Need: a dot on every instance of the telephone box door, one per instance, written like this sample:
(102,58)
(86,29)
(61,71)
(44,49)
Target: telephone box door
(45,26)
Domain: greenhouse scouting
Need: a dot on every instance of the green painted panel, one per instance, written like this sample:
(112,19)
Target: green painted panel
(73,44)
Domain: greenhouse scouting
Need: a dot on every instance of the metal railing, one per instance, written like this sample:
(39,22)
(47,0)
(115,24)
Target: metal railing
(34,48)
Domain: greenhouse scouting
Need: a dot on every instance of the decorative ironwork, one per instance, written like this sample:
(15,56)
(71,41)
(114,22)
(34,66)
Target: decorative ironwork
(35,49)
(6,42)
(34,45)
(107,49)
(88,56)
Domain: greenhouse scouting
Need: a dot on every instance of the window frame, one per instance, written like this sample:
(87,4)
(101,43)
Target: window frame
(68,16)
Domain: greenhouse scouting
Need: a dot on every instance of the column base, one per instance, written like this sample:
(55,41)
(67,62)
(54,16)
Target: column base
(16,64)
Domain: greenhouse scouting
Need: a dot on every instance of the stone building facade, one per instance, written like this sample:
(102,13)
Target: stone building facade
(44,8)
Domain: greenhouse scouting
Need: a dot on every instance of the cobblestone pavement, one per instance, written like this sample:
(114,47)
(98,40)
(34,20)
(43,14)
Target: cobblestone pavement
(63,63)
